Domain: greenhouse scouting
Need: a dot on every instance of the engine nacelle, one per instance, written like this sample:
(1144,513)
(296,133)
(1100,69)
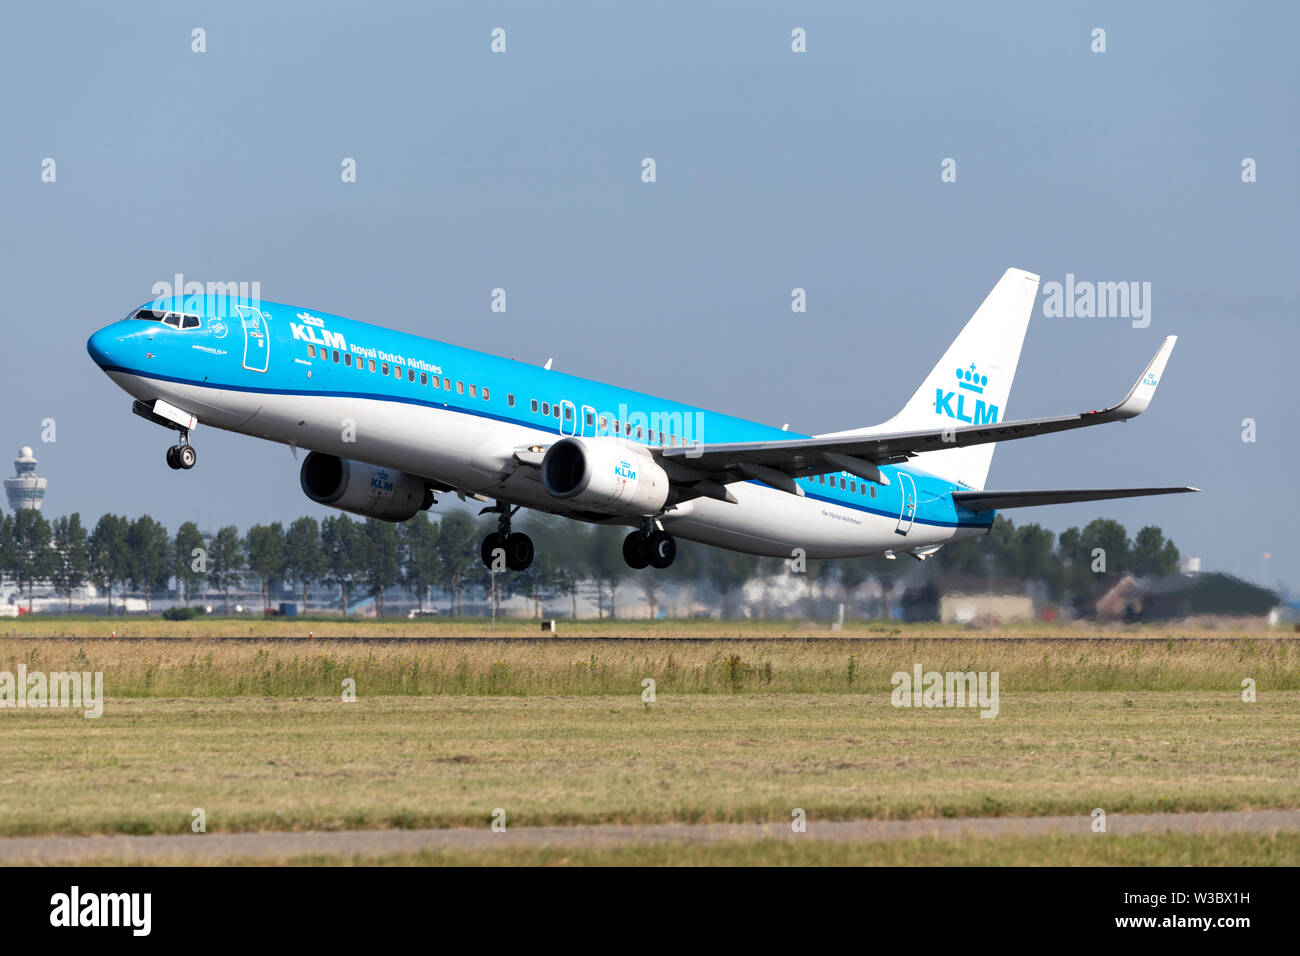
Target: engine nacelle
(604,476)
(363,489)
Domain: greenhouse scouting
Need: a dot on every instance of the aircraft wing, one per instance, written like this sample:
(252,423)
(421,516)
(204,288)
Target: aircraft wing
(778,462)
(996,500)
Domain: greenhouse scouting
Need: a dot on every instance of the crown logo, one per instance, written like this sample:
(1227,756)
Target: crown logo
(971,380)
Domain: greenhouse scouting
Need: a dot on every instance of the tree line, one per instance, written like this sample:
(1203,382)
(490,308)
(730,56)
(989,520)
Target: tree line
(370,558)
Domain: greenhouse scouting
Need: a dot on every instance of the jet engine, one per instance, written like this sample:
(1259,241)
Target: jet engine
(603,475)
(363,489)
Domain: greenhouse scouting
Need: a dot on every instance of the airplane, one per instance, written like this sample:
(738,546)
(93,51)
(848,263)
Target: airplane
(390,420)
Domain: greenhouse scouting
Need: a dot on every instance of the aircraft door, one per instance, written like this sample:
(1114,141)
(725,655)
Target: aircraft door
(590,424)
(907,488)
(257,341)
(568,418)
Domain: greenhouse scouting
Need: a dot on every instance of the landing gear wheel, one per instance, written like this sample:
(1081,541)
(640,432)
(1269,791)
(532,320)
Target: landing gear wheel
(186,456)
(662,548)
(172,462)
(636,551)
(490,545)
(519,552)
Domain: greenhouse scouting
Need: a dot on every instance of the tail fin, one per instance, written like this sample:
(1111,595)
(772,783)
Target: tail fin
(972,382)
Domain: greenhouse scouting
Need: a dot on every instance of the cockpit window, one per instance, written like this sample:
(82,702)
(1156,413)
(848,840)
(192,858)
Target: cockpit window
(176,320)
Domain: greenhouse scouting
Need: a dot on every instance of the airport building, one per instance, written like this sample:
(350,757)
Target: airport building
(26,489)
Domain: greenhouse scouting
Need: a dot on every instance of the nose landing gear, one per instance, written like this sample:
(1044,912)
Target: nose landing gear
(182,456)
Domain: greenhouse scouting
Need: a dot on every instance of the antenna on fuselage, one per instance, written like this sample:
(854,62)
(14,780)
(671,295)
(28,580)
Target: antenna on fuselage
(547,366)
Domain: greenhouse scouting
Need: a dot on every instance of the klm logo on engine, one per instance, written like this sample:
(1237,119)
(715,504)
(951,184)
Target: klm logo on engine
(624,470)
(312,331)
(381,483)
(970,383)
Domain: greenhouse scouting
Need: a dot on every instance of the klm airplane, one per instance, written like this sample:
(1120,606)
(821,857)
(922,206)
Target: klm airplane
(390,419)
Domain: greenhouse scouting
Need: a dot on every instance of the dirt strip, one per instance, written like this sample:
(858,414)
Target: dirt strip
(213,847)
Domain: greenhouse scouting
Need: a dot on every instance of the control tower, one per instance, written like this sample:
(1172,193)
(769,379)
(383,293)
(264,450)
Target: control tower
(26,489)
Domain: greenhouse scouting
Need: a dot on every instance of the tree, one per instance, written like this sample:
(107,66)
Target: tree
(421,564)
(458,555)
(1152,554)
(607,564)
(343,542)
(149,564)
(8,554)
(110,555)
(265,549)
(73,559)
(304,560)
(188,568)
(34,558)
(226,561)
(383,565)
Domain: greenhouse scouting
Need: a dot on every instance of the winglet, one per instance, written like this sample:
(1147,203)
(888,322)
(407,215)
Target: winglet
(1137,400)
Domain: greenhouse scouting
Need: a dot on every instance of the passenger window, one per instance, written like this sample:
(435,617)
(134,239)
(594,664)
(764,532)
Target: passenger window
(546,408)
(460,388)
(616,426)
(556,410)
(853,487)
(510,400)
(821,479)
(336,356)
(533,404)
(873,491)
(568,413)
(672,440)
(604,423)
(638,432)
(347,359)
(424,378)
(397,371)
(311,350)
(485,393)
(410,375)
(446,385)
(473,392)
(372,365)
(843,484)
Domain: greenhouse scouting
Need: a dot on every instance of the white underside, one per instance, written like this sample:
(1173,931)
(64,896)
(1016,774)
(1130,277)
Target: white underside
(474,455)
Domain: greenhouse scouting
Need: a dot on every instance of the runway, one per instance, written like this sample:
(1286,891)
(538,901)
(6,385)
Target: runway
(218,847)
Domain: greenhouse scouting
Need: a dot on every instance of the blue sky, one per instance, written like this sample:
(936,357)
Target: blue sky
(775,170)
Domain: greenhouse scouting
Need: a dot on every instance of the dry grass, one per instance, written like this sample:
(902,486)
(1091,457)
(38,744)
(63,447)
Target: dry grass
(171,668)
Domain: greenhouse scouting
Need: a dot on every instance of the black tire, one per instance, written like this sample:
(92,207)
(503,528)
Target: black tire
(187,456)
(663,549)
(172,462)
(519,552)
(490,544)
(635,551)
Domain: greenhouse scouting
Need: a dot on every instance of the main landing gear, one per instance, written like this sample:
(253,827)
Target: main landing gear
(649,546)
(182,456)
(516,548)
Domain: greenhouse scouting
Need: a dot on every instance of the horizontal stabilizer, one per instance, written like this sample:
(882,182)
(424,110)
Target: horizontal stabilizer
(990,500)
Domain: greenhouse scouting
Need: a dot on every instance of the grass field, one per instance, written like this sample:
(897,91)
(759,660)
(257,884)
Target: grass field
(1142,850)
(260,627)
(268,763)
(555,732)
(172,668)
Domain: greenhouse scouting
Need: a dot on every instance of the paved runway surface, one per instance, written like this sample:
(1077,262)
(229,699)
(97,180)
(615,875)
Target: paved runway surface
(213,847)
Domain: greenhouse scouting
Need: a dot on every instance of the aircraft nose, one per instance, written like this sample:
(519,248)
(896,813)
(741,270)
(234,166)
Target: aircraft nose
(107,346)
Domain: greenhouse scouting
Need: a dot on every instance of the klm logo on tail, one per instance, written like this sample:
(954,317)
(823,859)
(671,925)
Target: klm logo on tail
(969,383)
